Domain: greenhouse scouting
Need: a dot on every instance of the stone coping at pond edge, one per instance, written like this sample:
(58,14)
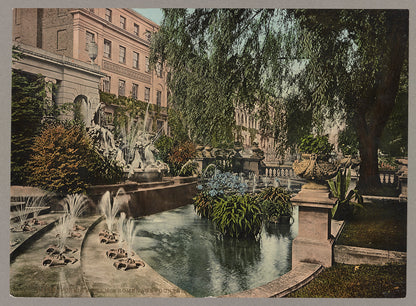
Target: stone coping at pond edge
(287,283)
(94,274)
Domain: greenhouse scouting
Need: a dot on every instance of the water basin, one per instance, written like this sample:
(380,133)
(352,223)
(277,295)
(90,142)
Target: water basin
(188,251)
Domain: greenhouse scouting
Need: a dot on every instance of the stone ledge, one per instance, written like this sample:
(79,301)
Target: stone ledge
(287,283)
(356,256)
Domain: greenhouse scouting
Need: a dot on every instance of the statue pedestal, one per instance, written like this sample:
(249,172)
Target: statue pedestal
(146,176)
(314,241)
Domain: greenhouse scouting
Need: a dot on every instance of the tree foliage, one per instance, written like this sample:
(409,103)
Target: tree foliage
(65,161)
(314,64)
(28,101)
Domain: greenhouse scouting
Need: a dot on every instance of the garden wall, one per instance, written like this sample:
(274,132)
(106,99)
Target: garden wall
(153,200)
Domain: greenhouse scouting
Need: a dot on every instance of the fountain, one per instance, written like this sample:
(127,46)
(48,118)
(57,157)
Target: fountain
(126,231)
(109,208)
(74,205)
(26,206)
(135,149)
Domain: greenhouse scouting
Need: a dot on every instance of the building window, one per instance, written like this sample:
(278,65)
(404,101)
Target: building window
(122,22)
(122,55)
(62,11)
(147,94)
(107,48)
(106,84)
(134,91)
(136,29)
(90,37)
(159,98)
(121,87)
(147,64)
(160,125)
(61,40)
(135,60)
(108,15)
(159,70)
(147,34)
(108,118)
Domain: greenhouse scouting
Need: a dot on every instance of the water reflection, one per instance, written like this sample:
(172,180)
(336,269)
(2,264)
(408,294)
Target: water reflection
(189,252)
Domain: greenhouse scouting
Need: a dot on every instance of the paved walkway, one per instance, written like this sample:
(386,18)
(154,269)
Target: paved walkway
(104,280)
(28,277)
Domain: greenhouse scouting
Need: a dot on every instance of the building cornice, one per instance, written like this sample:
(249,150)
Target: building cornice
(57,59)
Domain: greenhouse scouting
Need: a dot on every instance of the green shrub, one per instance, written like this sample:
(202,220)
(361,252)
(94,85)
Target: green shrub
(315,144)
(65,161)
(348,141)
(203,204)
(387,163)
(179,155)
(164,145)
(275,202)
(238,216)
(189,169)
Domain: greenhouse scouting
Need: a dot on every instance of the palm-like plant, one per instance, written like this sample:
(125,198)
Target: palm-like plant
(344,207)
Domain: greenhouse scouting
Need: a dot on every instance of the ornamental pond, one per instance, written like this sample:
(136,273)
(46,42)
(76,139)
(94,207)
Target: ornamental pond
(188,251)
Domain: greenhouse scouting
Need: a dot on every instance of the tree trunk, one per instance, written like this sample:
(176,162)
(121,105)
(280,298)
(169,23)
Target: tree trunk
(376,106)
(369,180)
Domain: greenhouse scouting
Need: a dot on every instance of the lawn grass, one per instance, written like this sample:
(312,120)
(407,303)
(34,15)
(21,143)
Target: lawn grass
(381,225)
(363,281)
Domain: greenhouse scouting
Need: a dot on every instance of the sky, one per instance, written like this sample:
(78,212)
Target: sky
(154,14)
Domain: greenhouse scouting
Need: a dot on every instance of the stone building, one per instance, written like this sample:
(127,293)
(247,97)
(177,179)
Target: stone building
(76,81)
(248,133)
(122,38)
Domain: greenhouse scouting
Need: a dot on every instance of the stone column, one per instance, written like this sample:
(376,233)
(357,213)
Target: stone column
(314,241)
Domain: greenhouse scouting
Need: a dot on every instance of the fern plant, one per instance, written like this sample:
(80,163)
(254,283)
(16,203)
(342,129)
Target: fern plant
(344,206)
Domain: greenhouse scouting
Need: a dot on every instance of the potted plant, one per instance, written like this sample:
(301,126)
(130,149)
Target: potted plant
(344,207)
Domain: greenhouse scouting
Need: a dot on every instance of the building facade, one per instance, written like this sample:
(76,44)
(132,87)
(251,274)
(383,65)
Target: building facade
(248,133)
(122,37)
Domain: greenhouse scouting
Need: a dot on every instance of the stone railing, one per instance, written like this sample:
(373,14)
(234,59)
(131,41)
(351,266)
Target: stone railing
(388,177)
(278,171)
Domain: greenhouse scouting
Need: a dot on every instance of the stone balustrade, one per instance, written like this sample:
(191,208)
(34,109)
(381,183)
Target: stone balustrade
(388,177)
(279,171)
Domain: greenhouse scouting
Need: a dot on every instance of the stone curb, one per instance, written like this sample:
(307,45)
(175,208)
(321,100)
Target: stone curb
(30,239)
(89,229)
(287,283)
(380,198)
(357,256)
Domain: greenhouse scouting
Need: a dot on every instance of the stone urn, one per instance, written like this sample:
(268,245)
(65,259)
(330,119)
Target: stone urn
(350,161)
(315,168)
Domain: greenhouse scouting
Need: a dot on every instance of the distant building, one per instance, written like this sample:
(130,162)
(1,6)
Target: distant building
(123,47)
(248,132)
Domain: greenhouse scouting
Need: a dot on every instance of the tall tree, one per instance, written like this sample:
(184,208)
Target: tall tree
(355,59)
(316,63)
(28,100)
